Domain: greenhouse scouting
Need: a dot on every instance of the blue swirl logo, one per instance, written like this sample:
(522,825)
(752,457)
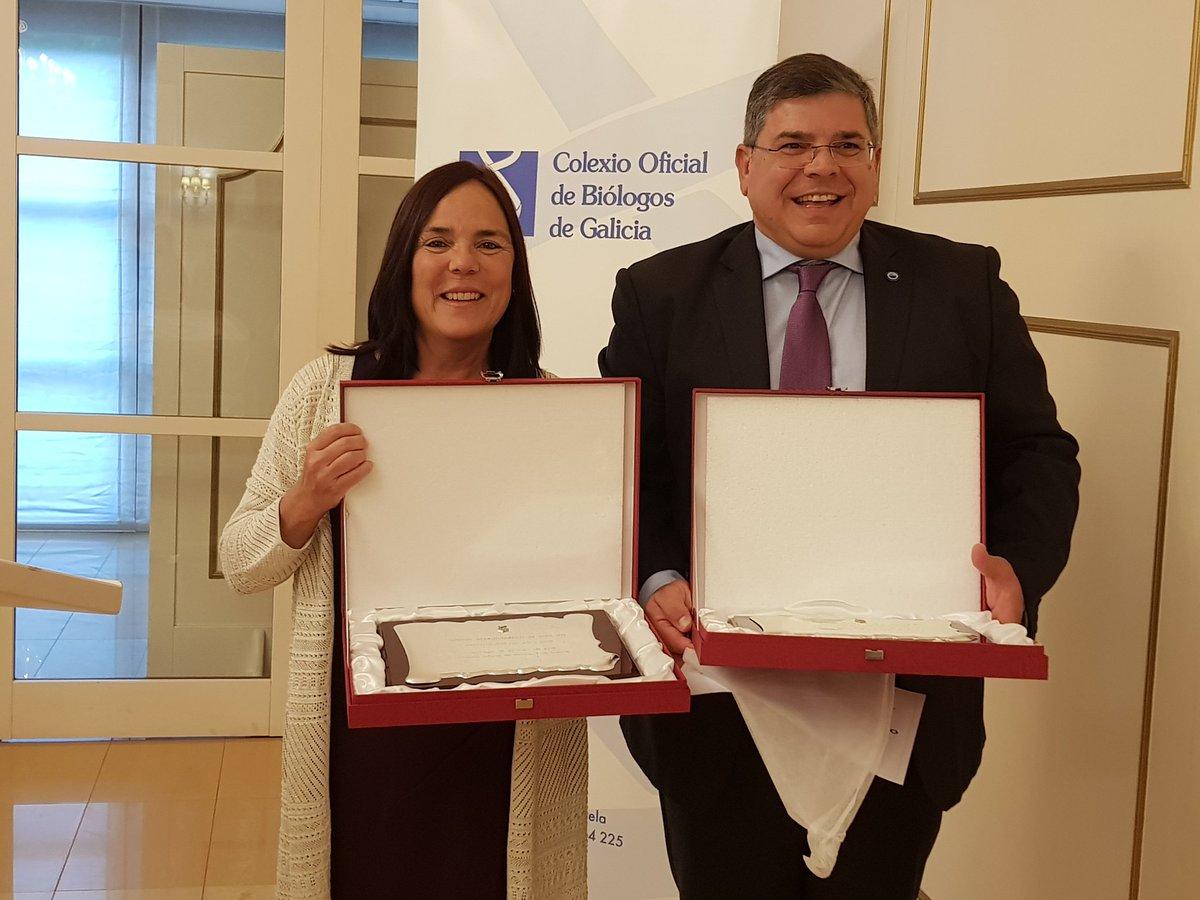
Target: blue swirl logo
(518,170)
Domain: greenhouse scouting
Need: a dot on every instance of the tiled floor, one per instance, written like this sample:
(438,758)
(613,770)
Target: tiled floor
(168,820)
(53,644)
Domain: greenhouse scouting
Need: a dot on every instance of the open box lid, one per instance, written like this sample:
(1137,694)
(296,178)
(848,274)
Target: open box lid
(511,492)
(872,499)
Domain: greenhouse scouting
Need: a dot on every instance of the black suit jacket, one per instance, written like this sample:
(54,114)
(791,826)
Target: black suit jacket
(943,321)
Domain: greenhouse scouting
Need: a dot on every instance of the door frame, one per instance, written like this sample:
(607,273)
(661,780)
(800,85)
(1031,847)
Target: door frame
(317,305)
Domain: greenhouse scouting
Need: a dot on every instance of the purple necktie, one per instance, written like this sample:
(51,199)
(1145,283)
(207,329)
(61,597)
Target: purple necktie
(806,363)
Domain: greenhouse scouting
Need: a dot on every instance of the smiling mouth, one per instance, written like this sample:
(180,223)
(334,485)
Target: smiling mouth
(818,200)
(461,296)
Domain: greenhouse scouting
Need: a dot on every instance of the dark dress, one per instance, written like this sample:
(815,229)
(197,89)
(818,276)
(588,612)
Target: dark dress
(416,811)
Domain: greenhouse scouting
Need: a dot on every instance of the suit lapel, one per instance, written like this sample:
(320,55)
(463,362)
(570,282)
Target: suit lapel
(888,277)
(737,293)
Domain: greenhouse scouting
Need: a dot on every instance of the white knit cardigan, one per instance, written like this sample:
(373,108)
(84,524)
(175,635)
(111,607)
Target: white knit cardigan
(547,855)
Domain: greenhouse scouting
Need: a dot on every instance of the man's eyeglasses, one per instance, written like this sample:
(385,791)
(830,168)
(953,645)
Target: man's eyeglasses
(798,155)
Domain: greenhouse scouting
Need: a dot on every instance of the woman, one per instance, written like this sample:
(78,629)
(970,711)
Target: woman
(487,810)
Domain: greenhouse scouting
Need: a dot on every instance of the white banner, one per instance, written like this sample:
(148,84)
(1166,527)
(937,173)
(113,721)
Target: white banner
(614,124)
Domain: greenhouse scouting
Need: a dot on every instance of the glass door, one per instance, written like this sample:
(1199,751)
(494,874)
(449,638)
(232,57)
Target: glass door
(147,347)
(181,253)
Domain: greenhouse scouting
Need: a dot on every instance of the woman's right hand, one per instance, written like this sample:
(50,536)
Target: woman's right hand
(334,461)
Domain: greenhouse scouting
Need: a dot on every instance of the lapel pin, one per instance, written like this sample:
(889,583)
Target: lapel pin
(893,276)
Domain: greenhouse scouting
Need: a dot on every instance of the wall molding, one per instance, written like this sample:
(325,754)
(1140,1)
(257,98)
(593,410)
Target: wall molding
(1169,341)
(1153,181)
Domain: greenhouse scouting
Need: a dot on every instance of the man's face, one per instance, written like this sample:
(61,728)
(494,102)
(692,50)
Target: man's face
(812,211)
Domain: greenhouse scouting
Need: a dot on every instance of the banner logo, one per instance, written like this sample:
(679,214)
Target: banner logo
(518,170)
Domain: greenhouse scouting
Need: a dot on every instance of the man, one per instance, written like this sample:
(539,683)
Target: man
(897,311)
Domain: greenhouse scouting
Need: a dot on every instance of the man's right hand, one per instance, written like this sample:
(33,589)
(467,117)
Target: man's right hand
(669,611)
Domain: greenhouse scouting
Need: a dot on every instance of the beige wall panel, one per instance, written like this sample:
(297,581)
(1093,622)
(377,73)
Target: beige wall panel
(163,708)
(396,141)
(389,101)
(852,31)
(1025,91)
(1170,863)
(196,297)
(378,200)
(254,122)
(1103,257)
(1122,257)
(389,72)
(251,224)
(389,104)
(201,599)
(388,109)
(1059,786)
(225,359)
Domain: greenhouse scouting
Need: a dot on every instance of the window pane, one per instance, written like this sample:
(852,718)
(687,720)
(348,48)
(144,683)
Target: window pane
(389,80)
(153,526)
(71,480)
(147,289)
(191,74)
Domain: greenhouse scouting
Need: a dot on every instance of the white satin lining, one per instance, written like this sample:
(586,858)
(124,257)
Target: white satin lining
(837,618)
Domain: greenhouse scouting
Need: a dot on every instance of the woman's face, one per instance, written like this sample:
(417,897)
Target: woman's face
(462,268)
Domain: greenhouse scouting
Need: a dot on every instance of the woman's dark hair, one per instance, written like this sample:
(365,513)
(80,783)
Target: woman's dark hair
(391,324)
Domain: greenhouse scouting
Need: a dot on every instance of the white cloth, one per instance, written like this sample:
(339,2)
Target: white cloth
(997,632)
(821,736)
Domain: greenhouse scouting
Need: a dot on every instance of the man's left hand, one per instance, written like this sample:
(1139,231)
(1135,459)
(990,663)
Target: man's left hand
(1001,589)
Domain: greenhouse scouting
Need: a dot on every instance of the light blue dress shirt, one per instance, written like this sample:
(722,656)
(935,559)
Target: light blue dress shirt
(843,299)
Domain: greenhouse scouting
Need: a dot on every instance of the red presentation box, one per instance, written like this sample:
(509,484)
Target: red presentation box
(504,497)
(867,499)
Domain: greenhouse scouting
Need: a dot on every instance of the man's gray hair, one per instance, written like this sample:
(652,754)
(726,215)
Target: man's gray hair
(803,76)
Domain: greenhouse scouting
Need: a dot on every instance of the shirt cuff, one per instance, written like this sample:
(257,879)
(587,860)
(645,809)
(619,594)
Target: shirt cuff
(655,581)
